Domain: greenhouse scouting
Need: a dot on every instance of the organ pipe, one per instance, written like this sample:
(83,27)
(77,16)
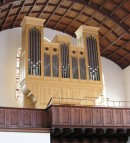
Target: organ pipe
(65,60)
(34,52)
(75,68)
(55,65)
(93,63)
(82,66)
(47,64)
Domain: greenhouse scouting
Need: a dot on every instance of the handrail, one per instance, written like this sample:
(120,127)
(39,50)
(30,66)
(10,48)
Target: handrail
(103,102)
(113,103)
(73,99)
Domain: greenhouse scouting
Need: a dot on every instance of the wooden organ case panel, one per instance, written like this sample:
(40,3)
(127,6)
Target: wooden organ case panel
(57,70)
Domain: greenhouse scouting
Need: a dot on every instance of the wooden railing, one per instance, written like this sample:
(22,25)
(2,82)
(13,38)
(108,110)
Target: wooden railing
(22,118)
(65,116)
(85,116)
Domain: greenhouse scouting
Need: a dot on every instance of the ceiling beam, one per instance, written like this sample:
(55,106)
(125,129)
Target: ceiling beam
(7,17)
(127,55)
(92,16)
(31,9)
(20,9)
(8,2)
(55,9)
(75,19)
(103,12)
(118,49)
(118,6)
(72,4)
(110,31)
(112,43)
(43,8)
(122,8)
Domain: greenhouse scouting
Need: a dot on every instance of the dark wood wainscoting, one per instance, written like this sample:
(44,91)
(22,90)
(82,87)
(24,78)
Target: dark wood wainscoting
(70,124)
(22,118)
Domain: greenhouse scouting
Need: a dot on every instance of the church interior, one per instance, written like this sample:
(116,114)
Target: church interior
(65,67)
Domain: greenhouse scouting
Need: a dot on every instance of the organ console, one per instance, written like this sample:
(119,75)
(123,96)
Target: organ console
(58,69)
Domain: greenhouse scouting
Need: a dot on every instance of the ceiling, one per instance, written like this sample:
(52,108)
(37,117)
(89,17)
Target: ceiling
(112,16)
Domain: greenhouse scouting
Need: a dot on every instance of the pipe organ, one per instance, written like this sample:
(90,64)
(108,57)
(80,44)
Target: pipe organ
(57,68)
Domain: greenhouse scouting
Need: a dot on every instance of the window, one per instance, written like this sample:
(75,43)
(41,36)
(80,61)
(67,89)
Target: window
(17,72)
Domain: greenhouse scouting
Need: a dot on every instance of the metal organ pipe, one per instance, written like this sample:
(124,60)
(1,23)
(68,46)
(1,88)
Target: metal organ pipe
(29,53)
(39,51)
(65,60)
(93,58)
(34,52)
(97,62)
(89,57)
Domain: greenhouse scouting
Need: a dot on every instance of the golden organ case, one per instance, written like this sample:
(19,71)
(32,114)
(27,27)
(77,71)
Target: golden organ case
(58,71)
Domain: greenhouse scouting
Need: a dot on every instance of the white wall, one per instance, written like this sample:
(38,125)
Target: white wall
(126,73)
(11,40)
(21,137)
(114,80)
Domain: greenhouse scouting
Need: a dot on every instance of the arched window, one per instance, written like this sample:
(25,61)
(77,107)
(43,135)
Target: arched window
(17,72)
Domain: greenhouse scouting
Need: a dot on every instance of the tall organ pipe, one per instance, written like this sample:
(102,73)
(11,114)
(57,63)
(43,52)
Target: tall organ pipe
(97,62)
(89,57)
(39,55)
(29,53)
(34,52)
(93,58)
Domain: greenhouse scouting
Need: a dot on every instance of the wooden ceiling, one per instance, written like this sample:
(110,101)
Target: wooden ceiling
(112,16)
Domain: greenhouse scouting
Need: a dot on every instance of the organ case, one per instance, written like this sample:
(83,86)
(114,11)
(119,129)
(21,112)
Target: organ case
(57,69)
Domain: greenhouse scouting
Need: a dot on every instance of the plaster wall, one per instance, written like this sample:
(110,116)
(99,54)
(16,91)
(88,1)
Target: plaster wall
(126,74)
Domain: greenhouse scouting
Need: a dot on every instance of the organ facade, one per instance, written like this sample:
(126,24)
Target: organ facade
(57,72)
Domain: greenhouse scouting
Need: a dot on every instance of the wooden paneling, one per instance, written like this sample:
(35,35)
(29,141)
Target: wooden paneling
(126,117)
(81,116)
(97,117)
(27,118)
(76,116)
(14,118)
(87,116)
(2,117)
(40,118)
(108,117)
(55,116)
(22,118)
(65,115)
(118,117)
